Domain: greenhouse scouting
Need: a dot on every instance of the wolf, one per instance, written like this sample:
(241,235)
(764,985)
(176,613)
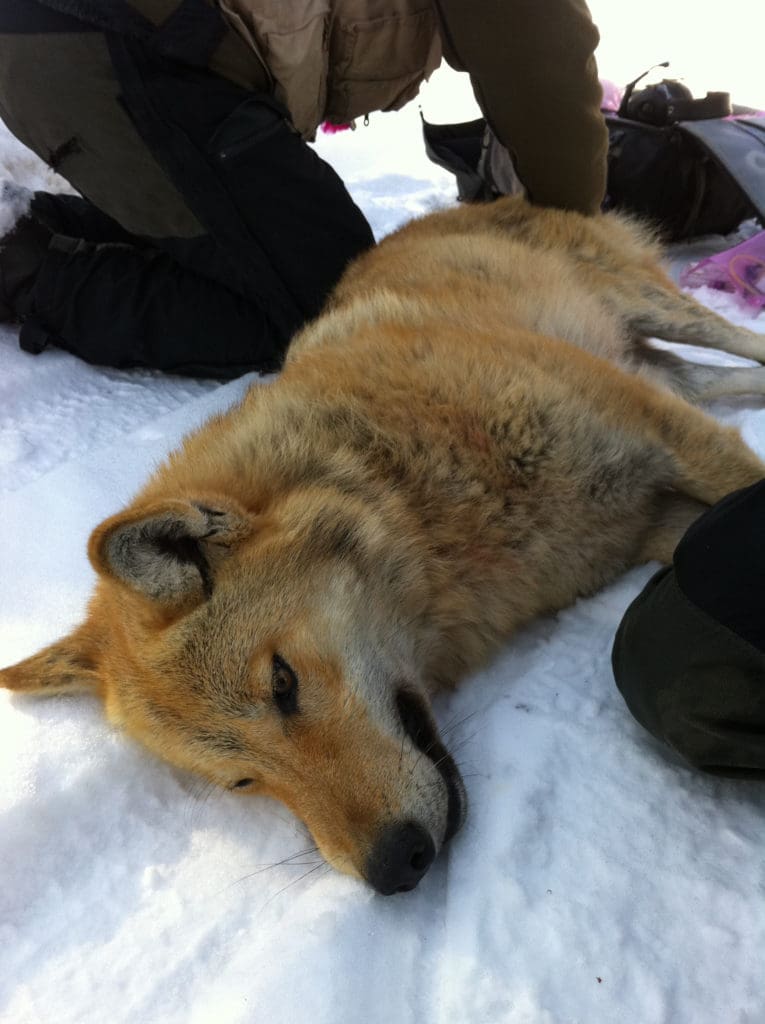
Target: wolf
(475,432)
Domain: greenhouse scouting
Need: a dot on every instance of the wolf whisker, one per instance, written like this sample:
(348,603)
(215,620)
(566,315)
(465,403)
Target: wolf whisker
(295,881)
(290,861)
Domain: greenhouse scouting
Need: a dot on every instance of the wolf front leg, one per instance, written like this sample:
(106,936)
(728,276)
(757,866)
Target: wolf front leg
(710,461)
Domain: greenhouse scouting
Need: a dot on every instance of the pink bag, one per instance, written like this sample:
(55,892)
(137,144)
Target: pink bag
(740,271)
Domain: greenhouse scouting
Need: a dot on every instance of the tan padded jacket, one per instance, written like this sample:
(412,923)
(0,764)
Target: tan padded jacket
(340,59)
(531,63)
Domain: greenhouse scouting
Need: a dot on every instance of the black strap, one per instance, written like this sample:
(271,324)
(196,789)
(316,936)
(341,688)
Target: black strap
(115,16)
(210,199)
(191,34)
(195,33)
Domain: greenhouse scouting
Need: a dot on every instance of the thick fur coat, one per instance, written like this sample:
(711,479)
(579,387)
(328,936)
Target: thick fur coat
(474,433)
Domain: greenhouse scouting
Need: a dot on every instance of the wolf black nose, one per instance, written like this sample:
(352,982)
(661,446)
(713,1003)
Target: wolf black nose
(399,859)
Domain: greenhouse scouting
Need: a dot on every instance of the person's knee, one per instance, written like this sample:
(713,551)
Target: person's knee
(691,682)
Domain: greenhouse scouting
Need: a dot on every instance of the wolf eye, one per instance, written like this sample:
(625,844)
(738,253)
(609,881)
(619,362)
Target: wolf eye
(284,684)
(242,783)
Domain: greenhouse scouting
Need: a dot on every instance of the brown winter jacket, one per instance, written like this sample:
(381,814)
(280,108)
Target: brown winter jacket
(340,59)
(531,65)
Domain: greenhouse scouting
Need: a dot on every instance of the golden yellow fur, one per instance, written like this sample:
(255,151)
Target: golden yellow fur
(474,433)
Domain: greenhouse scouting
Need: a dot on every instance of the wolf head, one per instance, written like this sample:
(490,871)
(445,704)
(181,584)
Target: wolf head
(274,652)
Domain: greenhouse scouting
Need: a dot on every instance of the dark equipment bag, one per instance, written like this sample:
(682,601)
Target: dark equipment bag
(683,162)
(666,174)
(458,149)
(704,174)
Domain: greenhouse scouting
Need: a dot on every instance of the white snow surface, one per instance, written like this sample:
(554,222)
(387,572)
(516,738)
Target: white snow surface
(597,881)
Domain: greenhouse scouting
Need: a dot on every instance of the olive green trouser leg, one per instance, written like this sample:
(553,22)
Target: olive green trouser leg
(691,682)
(86,135)
(132,278)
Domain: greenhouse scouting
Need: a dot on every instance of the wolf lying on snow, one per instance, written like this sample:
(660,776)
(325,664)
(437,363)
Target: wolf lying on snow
(473,433)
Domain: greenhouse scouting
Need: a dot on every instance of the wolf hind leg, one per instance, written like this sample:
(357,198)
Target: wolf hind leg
(710,460)
(692,381)
(704,459)
(660,310)
(708,382)
(674,514)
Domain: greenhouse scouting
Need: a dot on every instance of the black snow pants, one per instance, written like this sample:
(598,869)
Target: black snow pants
(206,231)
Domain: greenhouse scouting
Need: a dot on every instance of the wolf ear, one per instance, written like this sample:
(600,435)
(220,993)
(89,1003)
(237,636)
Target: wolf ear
(169,552)
(68,666)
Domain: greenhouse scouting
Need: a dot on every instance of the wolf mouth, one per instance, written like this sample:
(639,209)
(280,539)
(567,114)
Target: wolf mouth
(421,730)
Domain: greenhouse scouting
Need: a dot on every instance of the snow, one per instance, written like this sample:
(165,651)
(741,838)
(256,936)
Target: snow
(597,881)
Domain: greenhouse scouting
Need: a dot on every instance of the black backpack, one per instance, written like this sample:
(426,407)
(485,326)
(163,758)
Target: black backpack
(682,163)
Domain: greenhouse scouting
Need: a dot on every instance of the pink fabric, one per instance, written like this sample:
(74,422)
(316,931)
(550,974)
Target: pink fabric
(331,129)
(612,96)
(740,271)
